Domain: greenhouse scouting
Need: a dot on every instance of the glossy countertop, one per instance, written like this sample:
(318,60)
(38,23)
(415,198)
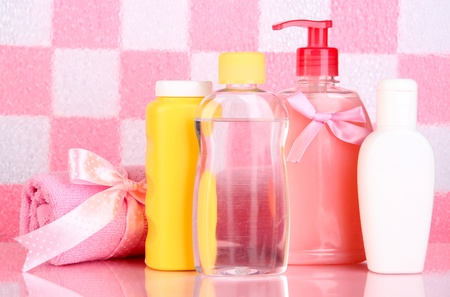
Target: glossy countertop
(130,277)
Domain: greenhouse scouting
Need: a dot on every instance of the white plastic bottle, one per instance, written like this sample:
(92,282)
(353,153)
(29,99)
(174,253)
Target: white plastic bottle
(396,183)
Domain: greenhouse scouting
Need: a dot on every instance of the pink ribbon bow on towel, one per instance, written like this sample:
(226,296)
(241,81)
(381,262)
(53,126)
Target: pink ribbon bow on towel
(93,214)
(338,122)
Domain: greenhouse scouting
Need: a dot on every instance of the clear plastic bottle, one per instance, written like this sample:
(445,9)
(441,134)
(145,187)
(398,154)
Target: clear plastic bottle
(322,182)
(240,203)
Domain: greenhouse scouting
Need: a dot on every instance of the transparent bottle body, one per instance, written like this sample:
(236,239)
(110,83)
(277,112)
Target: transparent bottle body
(241,220)
(325,220)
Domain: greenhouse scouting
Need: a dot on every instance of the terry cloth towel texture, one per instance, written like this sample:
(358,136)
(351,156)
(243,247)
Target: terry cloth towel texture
(49,196)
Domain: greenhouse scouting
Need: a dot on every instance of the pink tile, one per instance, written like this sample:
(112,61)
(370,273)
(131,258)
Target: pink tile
(440,225)
(280,71)
(140,71)
(431,73)
(86,23)
(25,80)
(364,26)
(9,211)
(101,136)
(224,25)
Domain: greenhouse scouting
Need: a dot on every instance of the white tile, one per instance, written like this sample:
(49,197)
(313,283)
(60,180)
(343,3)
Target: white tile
(289,39)
(362,72)
(439,137)
(86,83)
(423,26)
(156,24)
(9,288)
(205,66)
(25,22)
(437,283)
(24,147)
(133,142)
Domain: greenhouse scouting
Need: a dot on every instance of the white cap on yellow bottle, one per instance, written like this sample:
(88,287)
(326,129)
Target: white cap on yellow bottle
(182,88)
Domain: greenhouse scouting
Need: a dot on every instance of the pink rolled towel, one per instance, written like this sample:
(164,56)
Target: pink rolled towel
(49,196)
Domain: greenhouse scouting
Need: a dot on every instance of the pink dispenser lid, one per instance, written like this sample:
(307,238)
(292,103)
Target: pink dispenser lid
(317,59)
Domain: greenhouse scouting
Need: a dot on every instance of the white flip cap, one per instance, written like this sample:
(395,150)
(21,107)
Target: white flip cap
(182,88)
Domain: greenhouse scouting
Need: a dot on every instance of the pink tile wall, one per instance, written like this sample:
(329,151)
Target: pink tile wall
(140,71)
(97,135)
(9,212)
(365,26)
(86,23)
(440,224)
(80,73)
(280,70)
(218,25)
(431,73)
(25,76)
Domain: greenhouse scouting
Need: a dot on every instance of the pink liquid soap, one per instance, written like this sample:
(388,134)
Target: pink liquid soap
(325,222)
(322,184)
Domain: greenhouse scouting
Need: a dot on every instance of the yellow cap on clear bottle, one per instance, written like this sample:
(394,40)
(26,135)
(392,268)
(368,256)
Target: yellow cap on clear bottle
(242,68)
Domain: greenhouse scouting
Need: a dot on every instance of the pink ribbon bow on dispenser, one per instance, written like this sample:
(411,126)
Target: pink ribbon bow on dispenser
(338,122)
(93,214)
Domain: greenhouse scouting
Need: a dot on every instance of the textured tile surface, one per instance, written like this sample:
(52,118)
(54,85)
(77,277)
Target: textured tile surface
(133,142)
(361,73)
(156,24)
(423,27)
(100,136)
(431,73)
(204,66)
(81,73)
(86,83)
(365,26)
(86,23)
(9,212)
(26,22)
(24,147)
(218,25)
(25,80)
(140,71)
(439,137)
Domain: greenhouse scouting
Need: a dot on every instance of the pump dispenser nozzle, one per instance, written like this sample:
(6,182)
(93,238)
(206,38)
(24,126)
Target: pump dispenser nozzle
(317,59)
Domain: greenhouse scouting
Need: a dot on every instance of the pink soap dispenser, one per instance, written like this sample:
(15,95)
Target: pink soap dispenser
(327,127)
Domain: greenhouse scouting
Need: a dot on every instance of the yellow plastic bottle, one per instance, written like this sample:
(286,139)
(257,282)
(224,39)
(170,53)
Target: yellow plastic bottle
(171,160)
